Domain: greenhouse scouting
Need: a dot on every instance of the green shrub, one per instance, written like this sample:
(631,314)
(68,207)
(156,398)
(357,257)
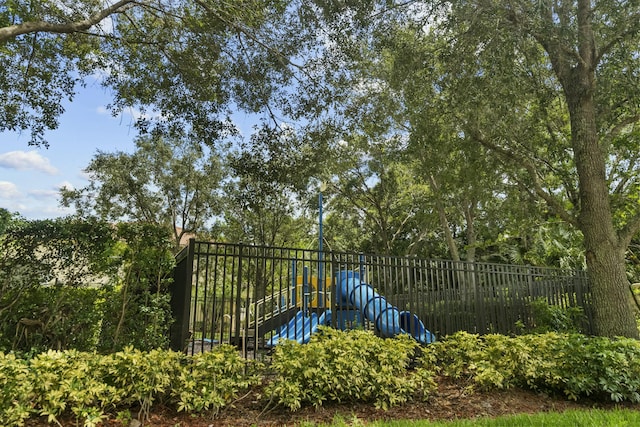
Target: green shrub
(554,318)
(139,320)
(602,367)
(71,381)
(16,385)
(211,380)
(142,377)
(53,317)
(106,286)
(571,364)
(346,366)
(92,386)
(138,312)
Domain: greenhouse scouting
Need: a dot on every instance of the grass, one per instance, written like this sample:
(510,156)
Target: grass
(586,418)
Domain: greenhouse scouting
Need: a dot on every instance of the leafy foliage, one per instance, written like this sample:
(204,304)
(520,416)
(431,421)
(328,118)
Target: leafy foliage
(142,377)
(57,317)
(168,182)
(269,171)
(84,284)
(90,386)
(552,318)
(182,63)
(211,380)
(346,366)
(571,364)
(69,381)
(335,366)
(515,115)
(61,253)
(16,384)
(138,313)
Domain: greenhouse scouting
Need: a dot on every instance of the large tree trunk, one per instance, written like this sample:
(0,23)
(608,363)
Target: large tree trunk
(613,314)
(604,251)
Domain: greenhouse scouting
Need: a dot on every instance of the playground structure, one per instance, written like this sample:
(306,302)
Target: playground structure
(357,302)
(255,296)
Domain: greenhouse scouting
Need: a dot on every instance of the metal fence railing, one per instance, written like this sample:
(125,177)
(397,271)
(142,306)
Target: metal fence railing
(252,296)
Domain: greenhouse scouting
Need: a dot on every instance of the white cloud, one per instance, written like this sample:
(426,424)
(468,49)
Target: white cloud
(43,194)
(27,160)
(37,211)
(55,211)
(102,110)
(13,206)
(53,192)
(8,190)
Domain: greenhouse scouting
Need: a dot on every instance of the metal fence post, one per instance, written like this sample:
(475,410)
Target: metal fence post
(181,297)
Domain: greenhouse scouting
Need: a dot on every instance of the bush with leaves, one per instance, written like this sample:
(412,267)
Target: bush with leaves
(553,318)
(138,312)
(140,377)
(91,386)
(211,380)
(53,317)
(50,273)
(17,388)
(49,253)
(572,364)
(600,367)
(346,366)
(72,381)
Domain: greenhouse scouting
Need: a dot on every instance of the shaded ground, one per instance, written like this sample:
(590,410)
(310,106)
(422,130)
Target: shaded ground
(451,401)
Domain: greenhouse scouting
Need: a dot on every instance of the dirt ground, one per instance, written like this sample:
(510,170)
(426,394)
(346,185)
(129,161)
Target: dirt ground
(451,401)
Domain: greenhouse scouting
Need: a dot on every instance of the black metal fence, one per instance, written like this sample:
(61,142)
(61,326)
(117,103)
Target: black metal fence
(252,296)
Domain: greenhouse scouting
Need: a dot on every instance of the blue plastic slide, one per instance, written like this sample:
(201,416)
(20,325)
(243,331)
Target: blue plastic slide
(300,328)
(389,321)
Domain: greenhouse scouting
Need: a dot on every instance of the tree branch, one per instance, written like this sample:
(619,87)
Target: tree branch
(615,41)
(622,124)
(242,30)
(13,31)
(551,201)
(628,231)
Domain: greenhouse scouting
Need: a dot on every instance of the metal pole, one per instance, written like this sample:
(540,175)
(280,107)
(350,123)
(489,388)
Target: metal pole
(320,254)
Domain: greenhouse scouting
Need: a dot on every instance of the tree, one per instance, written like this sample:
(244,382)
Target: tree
(6,219)
(183,63)
(397,138)
(45,50)
(269,175)
(375,203)
(56,18)
(546,89)
(170,183)
(575,55)
(517,66)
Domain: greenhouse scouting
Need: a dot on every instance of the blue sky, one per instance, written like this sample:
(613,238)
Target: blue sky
(30,177)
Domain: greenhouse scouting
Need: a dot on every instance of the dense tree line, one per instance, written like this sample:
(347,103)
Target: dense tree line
(473,130)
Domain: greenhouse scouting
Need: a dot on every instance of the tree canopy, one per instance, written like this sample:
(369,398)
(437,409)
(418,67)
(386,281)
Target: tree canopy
(164,182)
(475,129)
(181,63)
(538,91)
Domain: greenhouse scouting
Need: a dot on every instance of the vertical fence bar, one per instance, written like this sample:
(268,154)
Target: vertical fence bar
(215,311)
(238,301)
